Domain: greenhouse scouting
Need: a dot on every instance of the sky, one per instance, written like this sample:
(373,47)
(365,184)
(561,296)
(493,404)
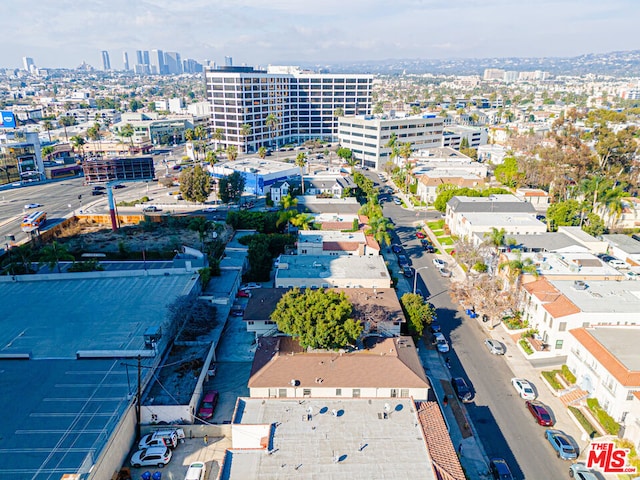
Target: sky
(64,33)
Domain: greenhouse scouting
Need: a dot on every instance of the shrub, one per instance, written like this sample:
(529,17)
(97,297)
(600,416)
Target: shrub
(608,423)
(586,424)
(515,323)
(530,333)
(205,276)
(550,377)
(480,267)
(525,346)
(568,376)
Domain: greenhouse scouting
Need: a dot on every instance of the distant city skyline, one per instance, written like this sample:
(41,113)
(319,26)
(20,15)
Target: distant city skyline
(58,34)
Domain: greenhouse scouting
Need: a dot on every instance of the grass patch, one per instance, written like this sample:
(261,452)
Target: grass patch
(437,225)
(568,376)
(445,241)
(550,377)
(608,423)
(584,421)
(526,347)
(132,203)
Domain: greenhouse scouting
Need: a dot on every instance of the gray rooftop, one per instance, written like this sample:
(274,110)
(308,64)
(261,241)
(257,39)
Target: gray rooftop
(622,343)
(325,266)
(625,243)
(547,242)
(329,446)
(603,296)
(491,204)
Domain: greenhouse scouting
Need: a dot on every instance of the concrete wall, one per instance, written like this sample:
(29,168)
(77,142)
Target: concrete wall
(325,392)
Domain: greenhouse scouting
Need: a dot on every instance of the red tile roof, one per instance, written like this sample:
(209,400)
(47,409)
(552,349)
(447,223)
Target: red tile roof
(626,377)
(552,300)
(443,454)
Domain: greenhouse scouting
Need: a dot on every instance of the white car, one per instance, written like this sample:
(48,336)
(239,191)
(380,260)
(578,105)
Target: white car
(439,263)
(249,286)
(631,275)
(494,346)
(32,205)
(441,342)
(580,472)
(615,263)
(524,388)
(151,457)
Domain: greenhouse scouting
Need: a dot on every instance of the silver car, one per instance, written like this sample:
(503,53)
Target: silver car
(494,346)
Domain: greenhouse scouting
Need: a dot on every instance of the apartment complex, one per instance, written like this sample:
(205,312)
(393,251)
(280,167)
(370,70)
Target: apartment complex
(303,105)
(368,136)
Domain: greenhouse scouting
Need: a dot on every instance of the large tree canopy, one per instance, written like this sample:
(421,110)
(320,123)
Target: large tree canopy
(317,318)
(195,184)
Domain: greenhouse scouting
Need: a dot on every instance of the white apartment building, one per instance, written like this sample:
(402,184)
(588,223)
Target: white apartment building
(367,136)
(303,104)
(475,136)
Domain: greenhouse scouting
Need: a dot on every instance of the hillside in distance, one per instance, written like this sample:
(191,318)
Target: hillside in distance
(618,64)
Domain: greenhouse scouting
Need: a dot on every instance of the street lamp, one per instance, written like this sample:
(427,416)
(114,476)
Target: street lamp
(415,278)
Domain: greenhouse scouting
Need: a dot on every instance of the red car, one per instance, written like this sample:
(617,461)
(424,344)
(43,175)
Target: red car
(208,405)
(540,413)
(243,293)
(420,235)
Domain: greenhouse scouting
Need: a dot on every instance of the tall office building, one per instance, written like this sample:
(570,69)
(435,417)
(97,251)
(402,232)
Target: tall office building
(125,61)
(106,63)
(28,63)
(145,57)
(139,59)
(303,103)
(228,61)
(157,62)
(173,63)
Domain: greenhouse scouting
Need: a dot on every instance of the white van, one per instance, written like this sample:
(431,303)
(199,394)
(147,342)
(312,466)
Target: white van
(197,471)
(168,437)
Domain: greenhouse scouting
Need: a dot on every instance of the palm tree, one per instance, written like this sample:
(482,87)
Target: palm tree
(218,136)
(262,152)
(288,210)
(66,121)
(517,267)
(48,126)
(245,131)
(78,142)
(232,152)
(272,123)
(52,255)
(379,228)
(495,237)
(199,133)
(47,151)
(301,161)
(94,134)
(303,221)
(202,226)
(338,112)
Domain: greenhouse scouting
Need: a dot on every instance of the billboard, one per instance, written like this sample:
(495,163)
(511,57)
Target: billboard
(8,119)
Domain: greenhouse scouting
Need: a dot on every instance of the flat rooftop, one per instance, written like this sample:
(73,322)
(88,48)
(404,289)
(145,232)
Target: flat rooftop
(491,219)
(571,263)
(320,236)
(325,266)
(355,442)
(602,296)
(621,342)
(255,165)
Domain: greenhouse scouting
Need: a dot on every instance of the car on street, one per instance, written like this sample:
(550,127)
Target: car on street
(404,261)
(420,235)
(151,457)
(562,443)
(397,201)
(617,263)
(395,248)
(607,258)
(499,469)
(428,247)
(440,342)
(462,390)
(445,272)
(97,192)
(150,208)
(524,388)
(494,346)
(540,413)
(99,187)
(237,311)
(408,272)
(439,263)
(435,327)
(32,205)
(208,405)
(119,186)
(250,285)
(243,293)
(210,209)
(581,472)
(632,275)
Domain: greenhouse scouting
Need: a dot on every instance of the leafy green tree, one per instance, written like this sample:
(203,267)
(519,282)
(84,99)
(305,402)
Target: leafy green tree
(245,131)
(379,228)
(594,225)
(262,152)
(508,174)
(344,153)
(303,221)
(52,255)
(317,318)
(195,184)
(564,213)
(418,313)
(260,259)
(46,151)
(393,145)
(202,226)
(78,142)
(231,187)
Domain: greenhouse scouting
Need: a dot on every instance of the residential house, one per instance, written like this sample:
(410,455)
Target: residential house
(334,243)
(429,182)
(624,247)
(535,196)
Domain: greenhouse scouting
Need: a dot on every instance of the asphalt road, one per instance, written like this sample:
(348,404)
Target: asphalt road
(504,426)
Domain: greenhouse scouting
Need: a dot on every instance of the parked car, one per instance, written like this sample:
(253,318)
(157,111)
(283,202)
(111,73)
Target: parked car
(395,248)
(404,261)
(250,285)
(562,443)
(237,311)
(581,472)
(616,263)
(444,272)
(524,388)
(540,413)
(151,457)
(435,327)
(462,389)
(631,275)
(408,272)
(420,235)
(499,469)
(397,201)
(196,471)
(99,187)
(494,346)
(429,248)
(150,208)
(440,342)
(159,438)
(97,192)
(208,405)
(243,293)
(439,263)
(32,205)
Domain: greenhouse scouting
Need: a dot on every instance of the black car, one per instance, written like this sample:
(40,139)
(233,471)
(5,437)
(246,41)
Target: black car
(97,192)
(118,186)
(462,389)
(408,272)
(395,248)
(499,469)
(99,187)
(429,248)
(404,261)
(435,327)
